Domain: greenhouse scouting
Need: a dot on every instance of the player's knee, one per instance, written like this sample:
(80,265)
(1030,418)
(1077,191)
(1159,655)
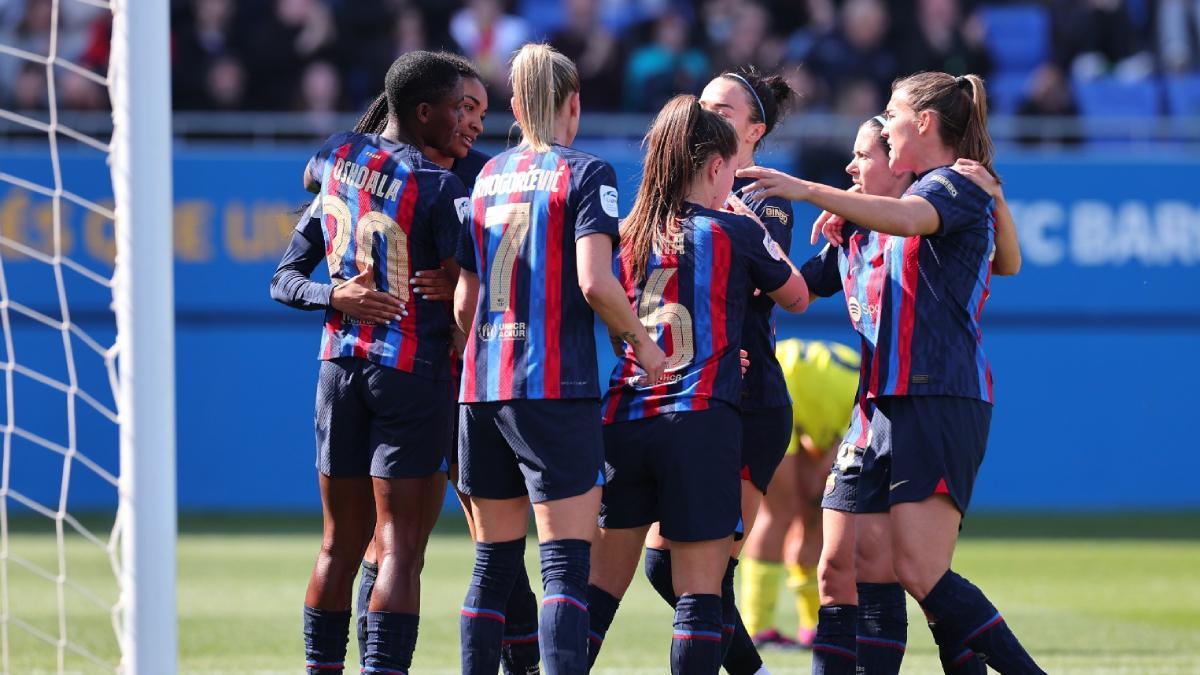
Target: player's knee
(873,564)
(914,574)
(835,578)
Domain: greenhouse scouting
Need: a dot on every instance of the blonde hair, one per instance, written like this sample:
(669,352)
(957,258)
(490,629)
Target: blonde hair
(542,79)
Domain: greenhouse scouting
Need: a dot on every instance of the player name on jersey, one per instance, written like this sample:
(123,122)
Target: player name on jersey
(365,178)
(518,181)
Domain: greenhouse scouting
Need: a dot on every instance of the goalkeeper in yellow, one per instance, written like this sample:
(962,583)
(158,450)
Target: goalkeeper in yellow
(821,378)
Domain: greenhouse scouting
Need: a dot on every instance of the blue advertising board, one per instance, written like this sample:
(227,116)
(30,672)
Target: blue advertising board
(1090,345)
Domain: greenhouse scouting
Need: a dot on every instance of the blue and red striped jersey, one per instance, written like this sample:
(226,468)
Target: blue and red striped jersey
(533,333)
(763,385)
(383,204)
(692,298)
(916,301)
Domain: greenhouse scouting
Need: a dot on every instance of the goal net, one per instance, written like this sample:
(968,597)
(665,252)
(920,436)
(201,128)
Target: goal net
(87,512)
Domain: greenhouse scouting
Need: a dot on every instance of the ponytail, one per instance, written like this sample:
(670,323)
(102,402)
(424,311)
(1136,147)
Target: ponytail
(542,79)
(678,145)
(374,120)
(960,104)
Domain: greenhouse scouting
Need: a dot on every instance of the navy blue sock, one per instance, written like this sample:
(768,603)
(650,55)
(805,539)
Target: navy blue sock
(602,607)
(741,656)
(563,631)
(833,647)
(391,640)
(325,636)
(882,627)
(481,626)
(696,641)
(366,583)
(956,659)
(971,620)
(520,654)
(657,567)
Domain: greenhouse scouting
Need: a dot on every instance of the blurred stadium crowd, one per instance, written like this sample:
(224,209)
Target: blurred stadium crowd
(1132,58)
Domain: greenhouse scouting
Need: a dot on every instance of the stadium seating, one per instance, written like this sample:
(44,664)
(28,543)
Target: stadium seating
(1005,91)
(1109,97)
(1183,94)
(1018,36)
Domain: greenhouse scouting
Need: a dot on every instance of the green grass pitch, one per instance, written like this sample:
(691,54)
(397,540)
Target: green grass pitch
(1096,595)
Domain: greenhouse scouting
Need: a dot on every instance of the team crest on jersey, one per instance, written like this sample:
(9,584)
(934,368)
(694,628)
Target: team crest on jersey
(776,213)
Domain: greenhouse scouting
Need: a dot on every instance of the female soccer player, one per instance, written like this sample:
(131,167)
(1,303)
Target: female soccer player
(931,384)
(520,652)
(672,448)
(753,103)
(821,379)
(537,260)
(383,209)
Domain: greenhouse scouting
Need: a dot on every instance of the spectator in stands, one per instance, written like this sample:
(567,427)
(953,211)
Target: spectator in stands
(825,159)
(205,33)
(1179,35)
(856,49)
(489,37)
(321,97)
(750,40)
(940,40)
(667,66)
(1049,95)
(224,85)
(596,52)
(295,33)
(1093,38)
(29,88)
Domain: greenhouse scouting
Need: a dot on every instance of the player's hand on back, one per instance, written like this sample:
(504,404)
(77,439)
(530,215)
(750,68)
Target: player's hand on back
(435,285)
(736,205)
(652,360)
(358,298)
(829,225)
(744,359)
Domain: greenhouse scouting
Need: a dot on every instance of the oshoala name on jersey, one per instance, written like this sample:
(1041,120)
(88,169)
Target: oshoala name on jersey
(517,181)
(363,178)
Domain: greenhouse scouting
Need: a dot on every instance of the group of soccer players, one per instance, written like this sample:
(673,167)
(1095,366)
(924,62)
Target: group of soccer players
(678,453)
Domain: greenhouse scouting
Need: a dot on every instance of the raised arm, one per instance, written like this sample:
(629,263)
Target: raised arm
(904,217)
(604,294)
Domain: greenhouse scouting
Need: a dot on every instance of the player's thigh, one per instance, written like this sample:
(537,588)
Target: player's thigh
(654,539)
(751,500)
(699,566)
(342,420)
(406,511)
(498,520)
(873,548)
(696,469)
(412,422)
(559,448)
(615,557)
(923,538)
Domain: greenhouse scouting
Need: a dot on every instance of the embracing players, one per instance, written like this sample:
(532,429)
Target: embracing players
(383,210)
(929,380)
(537,262)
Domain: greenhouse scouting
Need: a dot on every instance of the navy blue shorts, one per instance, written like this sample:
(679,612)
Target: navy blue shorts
(765,436)
(545,448)
(679,469)
(372,420)
(921,446)
(841,488)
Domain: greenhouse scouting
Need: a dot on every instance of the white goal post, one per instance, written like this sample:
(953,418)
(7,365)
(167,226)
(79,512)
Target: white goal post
(144,302)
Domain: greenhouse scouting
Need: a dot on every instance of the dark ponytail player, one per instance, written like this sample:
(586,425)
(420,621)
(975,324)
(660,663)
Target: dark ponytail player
(382,210)
(930,381)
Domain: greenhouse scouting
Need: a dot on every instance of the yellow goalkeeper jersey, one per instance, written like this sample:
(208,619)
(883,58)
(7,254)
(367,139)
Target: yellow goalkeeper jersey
(821,379)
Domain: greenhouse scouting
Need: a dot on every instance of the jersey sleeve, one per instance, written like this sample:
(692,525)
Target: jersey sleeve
(768,271)
(466,243)
(821,272)
(955,198)
(316,163)
(451,214)
(776,215)
(292,284)
(596,201)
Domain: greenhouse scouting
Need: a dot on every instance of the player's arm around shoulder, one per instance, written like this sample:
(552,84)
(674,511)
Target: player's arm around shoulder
(1007,261)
